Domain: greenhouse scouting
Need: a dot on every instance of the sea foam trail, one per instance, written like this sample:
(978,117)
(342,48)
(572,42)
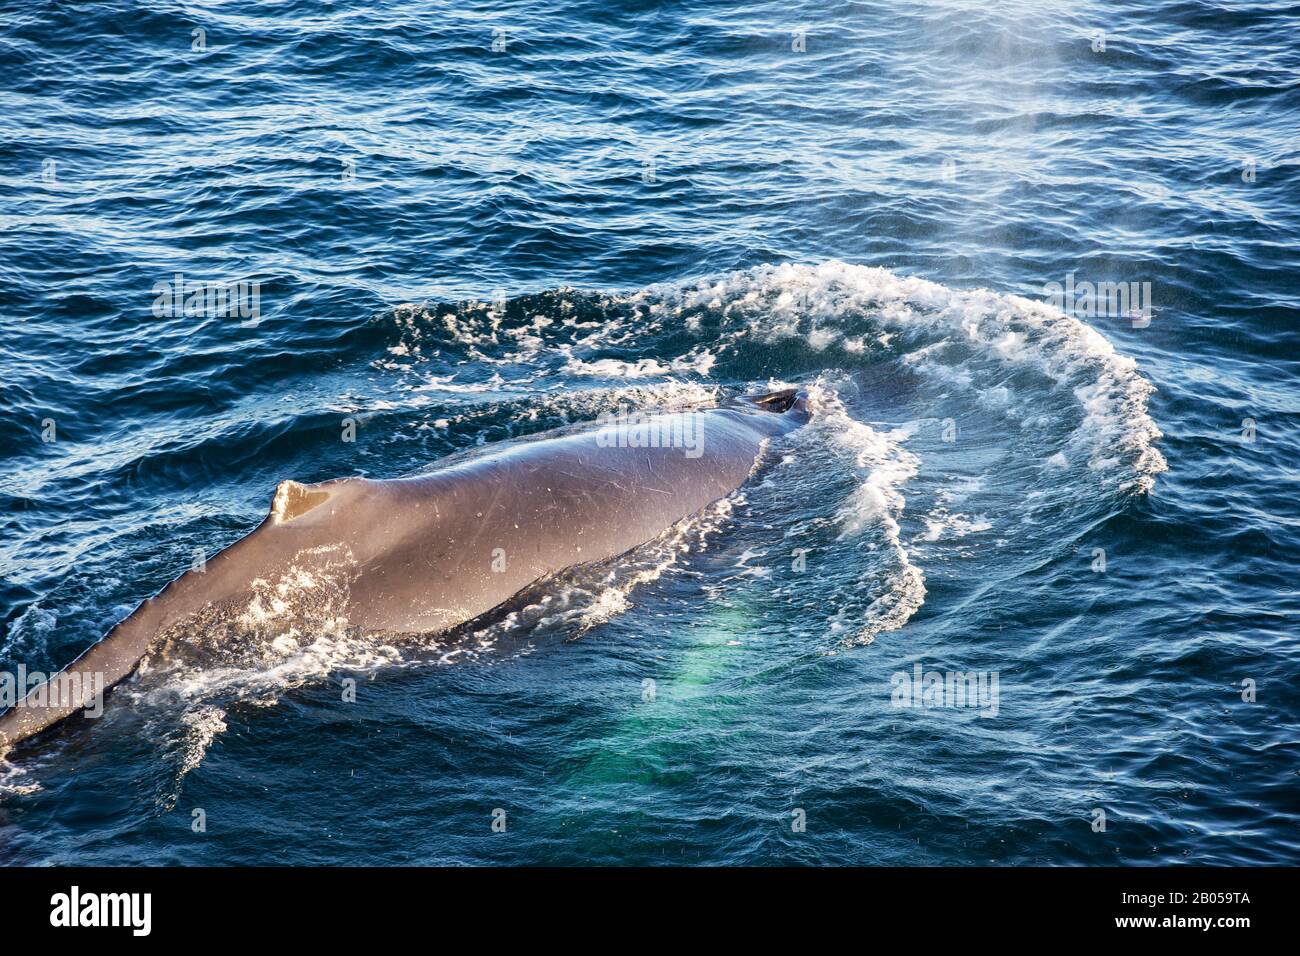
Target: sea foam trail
(885,467)
(970,338)
(821,303)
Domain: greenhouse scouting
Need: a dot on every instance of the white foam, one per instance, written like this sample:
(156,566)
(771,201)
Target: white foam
(202,725)
(16,781)
(571,405)
(945,525)
(884,466)
(699,363)
(787,301)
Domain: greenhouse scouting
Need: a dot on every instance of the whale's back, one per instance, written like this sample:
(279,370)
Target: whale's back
(490,527)
(425,554)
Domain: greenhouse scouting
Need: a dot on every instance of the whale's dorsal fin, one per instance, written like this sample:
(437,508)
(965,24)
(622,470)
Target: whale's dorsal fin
(292,500)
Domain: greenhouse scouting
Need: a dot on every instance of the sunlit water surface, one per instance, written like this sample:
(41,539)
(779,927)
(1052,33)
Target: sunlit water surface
(648,205)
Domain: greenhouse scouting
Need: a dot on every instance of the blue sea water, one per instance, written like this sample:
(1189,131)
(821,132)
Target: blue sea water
(470,222)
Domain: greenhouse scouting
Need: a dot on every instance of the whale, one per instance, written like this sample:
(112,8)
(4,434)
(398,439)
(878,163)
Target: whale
(423,554)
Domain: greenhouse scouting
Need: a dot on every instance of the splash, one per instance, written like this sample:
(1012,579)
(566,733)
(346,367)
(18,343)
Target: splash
(882,466)
(983,334)
(16,781)
(202,726)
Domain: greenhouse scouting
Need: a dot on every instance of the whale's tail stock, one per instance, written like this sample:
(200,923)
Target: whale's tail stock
(81,685)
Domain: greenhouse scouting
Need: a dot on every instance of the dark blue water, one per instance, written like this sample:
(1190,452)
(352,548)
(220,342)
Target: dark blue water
(474,222)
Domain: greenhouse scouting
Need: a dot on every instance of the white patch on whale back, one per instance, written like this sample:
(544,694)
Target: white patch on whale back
(290,631)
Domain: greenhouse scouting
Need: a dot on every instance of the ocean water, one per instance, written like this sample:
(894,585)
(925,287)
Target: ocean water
(472,222)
